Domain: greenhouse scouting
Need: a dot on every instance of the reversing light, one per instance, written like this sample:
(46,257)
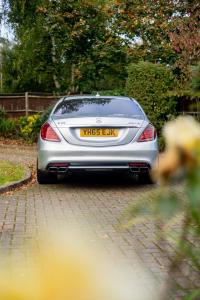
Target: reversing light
(48,134)
(149,134)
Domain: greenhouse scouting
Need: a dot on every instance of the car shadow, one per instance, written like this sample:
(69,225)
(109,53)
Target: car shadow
(100,180)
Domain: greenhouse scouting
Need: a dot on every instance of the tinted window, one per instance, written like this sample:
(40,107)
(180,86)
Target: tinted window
(102,107)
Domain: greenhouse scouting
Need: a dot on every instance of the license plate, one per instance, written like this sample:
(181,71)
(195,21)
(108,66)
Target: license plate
(102,132)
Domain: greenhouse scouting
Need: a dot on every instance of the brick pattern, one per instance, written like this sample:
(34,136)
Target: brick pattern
(94,200)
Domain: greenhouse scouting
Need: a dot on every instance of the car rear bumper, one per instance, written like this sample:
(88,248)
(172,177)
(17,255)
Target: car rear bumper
(96,158)
(63,167)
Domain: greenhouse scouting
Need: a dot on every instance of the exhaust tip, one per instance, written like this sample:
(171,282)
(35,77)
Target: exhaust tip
(58,167)
(137,167)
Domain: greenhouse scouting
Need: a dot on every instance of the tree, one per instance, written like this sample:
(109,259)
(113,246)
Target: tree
(160,31)
(185,37)
(62,42)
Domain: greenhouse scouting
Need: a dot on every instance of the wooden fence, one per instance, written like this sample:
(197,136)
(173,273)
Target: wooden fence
(24,104)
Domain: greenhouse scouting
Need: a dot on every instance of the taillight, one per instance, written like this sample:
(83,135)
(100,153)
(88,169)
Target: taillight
(48,134)
(149,134)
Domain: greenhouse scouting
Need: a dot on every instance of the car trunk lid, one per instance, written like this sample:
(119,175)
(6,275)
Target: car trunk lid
(99,131)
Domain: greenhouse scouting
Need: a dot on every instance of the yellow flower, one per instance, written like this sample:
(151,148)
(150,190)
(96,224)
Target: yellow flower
(184,133)
(169,162)
(60,270)
(182,148)
(65,267)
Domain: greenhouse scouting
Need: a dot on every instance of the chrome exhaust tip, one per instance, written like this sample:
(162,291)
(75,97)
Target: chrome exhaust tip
(58,167)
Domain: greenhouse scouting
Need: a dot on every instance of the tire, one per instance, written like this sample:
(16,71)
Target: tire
(46,178)
(145,178)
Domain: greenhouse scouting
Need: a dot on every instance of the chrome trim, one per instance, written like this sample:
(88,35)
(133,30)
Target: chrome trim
(98,167)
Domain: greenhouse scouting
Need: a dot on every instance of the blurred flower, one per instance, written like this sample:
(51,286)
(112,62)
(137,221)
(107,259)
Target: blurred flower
(65,268)
(182,148)
(168,164)
(183,133)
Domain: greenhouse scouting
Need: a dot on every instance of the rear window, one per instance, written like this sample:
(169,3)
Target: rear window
(101,107)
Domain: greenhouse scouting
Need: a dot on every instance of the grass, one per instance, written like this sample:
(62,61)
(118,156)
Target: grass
(10,172)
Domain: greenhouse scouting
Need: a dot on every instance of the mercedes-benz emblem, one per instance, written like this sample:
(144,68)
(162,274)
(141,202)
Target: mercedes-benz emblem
(98,121)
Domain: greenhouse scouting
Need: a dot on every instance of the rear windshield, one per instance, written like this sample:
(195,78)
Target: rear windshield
(102,107)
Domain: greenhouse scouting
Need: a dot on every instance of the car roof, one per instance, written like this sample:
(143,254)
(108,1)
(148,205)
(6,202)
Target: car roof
(94,97)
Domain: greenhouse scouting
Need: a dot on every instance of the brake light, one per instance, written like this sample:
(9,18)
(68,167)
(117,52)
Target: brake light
(149,134)
(48,134)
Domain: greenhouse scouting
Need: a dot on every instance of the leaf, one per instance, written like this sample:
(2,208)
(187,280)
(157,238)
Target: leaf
(194,295)
(168,205)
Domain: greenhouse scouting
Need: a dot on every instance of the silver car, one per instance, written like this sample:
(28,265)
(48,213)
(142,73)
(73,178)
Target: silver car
(96,133)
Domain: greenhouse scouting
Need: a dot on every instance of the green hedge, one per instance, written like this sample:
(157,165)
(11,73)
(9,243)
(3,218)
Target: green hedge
(26,128)
(149,83)
(8,127)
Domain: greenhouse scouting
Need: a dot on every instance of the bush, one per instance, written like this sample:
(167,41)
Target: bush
(2,114)
(27,127)
(195,81)
(30,127)
(8,127)
(149,83)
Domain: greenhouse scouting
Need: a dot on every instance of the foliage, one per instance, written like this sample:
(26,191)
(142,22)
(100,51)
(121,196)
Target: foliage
(2,114)
(185,37)
(160,31)
(30,127)
(86,45)
(168,206)
(8,127)
(144,26)
(149,83)
(9,68)
(63,46)
(27,127)
(187,101)
(195,81)
(10,172)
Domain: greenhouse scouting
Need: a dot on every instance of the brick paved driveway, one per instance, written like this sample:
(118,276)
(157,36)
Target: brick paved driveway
(97,201)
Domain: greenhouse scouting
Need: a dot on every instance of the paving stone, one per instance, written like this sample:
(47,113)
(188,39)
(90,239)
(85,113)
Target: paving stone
(96,201)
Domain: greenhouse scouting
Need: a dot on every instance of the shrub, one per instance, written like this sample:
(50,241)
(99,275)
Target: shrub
(148,83)
(195,81)
(8,127)
(2,114)
(30,127)
(27,127)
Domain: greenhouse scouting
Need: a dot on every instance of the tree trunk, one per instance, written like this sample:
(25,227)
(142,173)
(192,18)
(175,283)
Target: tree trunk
(53,55)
